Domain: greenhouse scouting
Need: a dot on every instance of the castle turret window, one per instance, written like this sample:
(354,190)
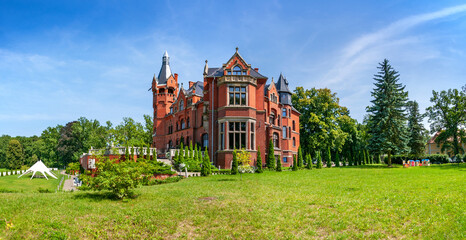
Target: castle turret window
(237,95)
(237,135)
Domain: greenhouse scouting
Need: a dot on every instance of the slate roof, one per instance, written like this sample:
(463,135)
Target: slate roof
(282,84)
(218,72)
(198,87)
(165,71)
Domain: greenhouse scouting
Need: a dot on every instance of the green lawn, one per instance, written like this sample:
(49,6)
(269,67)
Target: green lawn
(24,184)
(337,203)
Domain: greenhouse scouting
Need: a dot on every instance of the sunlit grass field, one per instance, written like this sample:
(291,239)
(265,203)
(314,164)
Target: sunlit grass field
(24,184)
(373,202)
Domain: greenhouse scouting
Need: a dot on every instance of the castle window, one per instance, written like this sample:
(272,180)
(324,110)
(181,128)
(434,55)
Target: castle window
(181,105)
(252,136)
(284,112)
(237,70)
(187,123)
(237,95)
(294,126)
(284,132)
(289,132)
(182,124)
(205,140)
(222,138)
(272,119)
(177,127)
(237,135)
(294,142)
(275,141)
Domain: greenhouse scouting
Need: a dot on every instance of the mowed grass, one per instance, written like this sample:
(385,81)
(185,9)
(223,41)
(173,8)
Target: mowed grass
(339,203)
(24,184)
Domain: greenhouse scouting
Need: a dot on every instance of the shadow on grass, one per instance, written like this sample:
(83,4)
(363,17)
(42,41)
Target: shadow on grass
(377,166)
(450,166)
(100,196)
(227,179)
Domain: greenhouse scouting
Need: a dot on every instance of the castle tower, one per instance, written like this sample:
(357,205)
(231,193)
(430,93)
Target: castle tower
(164,92)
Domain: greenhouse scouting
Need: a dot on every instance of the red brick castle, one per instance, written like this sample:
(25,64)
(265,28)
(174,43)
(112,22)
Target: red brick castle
(233,108)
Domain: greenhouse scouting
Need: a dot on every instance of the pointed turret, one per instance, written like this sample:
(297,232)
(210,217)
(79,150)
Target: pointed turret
(165,71)
(283,90)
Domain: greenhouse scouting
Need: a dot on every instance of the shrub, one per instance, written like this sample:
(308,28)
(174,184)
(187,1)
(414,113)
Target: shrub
(300,157)
(295,164)
(234,164)
(259,161)
(270,156)
(166,180)
(244,160)
(43,190)
(206,169)
(309,161)
(279,164)
(319,161)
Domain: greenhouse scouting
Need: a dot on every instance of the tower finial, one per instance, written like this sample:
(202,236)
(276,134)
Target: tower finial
(206,68)
(236,49)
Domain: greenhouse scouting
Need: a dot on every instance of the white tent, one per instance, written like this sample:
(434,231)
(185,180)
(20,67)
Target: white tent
(39,166)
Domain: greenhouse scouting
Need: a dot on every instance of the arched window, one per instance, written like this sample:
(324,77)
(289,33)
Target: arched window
(237,70)
(272,119)
(275,140)
(182,124)
(205,140)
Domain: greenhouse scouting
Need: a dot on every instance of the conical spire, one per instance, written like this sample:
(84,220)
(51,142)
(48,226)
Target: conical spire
(165,71)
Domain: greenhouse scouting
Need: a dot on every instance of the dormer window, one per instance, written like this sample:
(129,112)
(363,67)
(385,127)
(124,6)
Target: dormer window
(237,70)
(181,105)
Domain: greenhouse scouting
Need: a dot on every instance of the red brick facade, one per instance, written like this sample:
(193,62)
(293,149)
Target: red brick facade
(232,108)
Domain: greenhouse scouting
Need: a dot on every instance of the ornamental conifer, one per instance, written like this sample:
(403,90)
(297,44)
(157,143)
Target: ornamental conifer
(205,169)
(191,152)
(259,161)
(295,164)
(319,160)
(300,157)
(309,161)
(279,164)
(234,164)
(270,156)
(337,159)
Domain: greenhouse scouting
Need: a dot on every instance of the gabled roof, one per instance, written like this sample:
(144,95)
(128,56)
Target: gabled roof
(282,84)
(165,71)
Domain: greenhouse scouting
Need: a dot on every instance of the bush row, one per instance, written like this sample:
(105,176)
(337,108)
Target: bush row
(434,158)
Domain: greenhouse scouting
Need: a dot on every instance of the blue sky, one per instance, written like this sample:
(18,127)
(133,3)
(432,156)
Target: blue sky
(60,60)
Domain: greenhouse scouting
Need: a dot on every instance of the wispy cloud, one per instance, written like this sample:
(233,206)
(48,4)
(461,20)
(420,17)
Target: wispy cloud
(355,56)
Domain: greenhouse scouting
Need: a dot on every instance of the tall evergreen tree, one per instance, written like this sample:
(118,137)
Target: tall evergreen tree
(295,164)
(387,118)
(300,157)
(234,164)
(186,154)
(364,157)
(279,164)
(329,158)
(319,160)
(205,169)
(270,156)
(309,161)
(190,153)
(337,159)
(259,160)
(416,130)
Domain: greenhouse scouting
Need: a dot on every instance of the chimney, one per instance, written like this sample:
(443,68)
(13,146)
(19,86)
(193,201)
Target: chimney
(256,69)
(191,84)
(176,77)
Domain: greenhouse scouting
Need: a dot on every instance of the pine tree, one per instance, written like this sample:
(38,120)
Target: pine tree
(279,164)
(190,153)
(309,161)
(387,118)
(319,161)
(176,158)
(415,128)
(234,164)
(186,154)
(337,159)
(181,154)
(259,161)
(270,156)
(329,158)
(295,164)
(300,157)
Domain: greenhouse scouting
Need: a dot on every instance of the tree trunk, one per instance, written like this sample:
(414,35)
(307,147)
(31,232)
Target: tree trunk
(389,158)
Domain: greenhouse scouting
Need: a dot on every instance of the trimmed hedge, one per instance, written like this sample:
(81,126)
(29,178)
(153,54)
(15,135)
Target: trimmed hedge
(434,158)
